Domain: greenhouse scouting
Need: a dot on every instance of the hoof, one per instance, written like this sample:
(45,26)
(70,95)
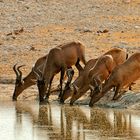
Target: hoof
(43,102)
(14,99)
(90,105)
(46,100)
(114,99)
(71,104)
(61,101)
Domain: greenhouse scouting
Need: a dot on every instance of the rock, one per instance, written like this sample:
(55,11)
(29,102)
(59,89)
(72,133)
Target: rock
(9,34)
(85,30)
(16,32)
(104,31)
(32,48)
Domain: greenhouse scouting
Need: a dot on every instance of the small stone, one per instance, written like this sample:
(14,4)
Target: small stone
(32,49)
(9,34)
(105,31)
(87,30)
(126,1)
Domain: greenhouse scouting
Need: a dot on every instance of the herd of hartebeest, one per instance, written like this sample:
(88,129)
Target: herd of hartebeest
(113,69)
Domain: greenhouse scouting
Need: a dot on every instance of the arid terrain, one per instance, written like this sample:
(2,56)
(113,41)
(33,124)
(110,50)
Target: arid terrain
(29,29)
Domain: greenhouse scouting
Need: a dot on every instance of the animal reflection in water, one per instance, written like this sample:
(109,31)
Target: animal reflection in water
(65,122)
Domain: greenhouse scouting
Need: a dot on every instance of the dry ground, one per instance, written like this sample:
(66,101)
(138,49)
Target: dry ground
(29,29)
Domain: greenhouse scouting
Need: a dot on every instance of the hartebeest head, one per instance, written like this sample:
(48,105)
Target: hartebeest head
(19,82)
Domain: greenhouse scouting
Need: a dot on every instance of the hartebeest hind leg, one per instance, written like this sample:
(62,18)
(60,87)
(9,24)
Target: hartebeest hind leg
(78,66)
(49,88)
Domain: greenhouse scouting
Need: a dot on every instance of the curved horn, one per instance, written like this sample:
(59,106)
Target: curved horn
(71,87)
(70,73)
(96,84)
(74,87)
(15,70)
(38,74)
(91,86)
(77,88)
(20,73)
(100,87)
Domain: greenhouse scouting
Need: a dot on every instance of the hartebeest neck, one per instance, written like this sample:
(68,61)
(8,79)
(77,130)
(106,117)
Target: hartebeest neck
(29,80)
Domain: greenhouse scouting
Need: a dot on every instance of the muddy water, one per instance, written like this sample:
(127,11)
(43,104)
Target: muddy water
(29,120)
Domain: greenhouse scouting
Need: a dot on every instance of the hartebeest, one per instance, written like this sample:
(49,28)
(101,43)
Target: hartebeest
(122,76)
(29,80)
(81,84)
(60,59)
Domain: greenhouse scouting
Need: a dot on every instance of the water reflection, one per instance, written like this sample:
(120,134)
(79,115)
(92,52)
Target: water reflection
(28,120)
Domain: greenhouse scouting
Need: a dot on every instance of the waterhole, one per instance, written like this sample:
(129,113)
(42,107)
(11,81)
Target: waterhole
(23,120)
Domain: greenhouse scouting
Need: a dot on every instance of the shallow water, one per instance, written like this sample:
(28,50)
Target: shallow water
(29,120)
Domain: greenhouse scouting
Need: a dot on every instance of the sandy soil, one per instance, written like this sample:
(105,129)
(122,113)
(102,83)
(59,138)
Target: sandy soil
(29,29)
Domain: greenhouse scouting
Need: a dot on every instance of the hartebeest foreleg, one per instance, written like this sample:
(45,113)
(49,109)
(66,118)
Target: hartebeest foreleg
(69,73)
(49,88)
(61,80)
(78,66)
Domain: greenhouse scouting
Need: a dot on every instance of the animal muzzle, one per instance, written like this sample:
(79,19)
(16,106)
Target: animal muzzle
(90,104)
(14,98)
(71,103)
(61,101)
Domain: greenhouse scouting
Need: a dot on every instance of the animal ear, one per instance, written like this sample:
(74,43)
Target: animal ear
(95,82)
(99,83)
(100,88)
(38,73)
(76,88)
